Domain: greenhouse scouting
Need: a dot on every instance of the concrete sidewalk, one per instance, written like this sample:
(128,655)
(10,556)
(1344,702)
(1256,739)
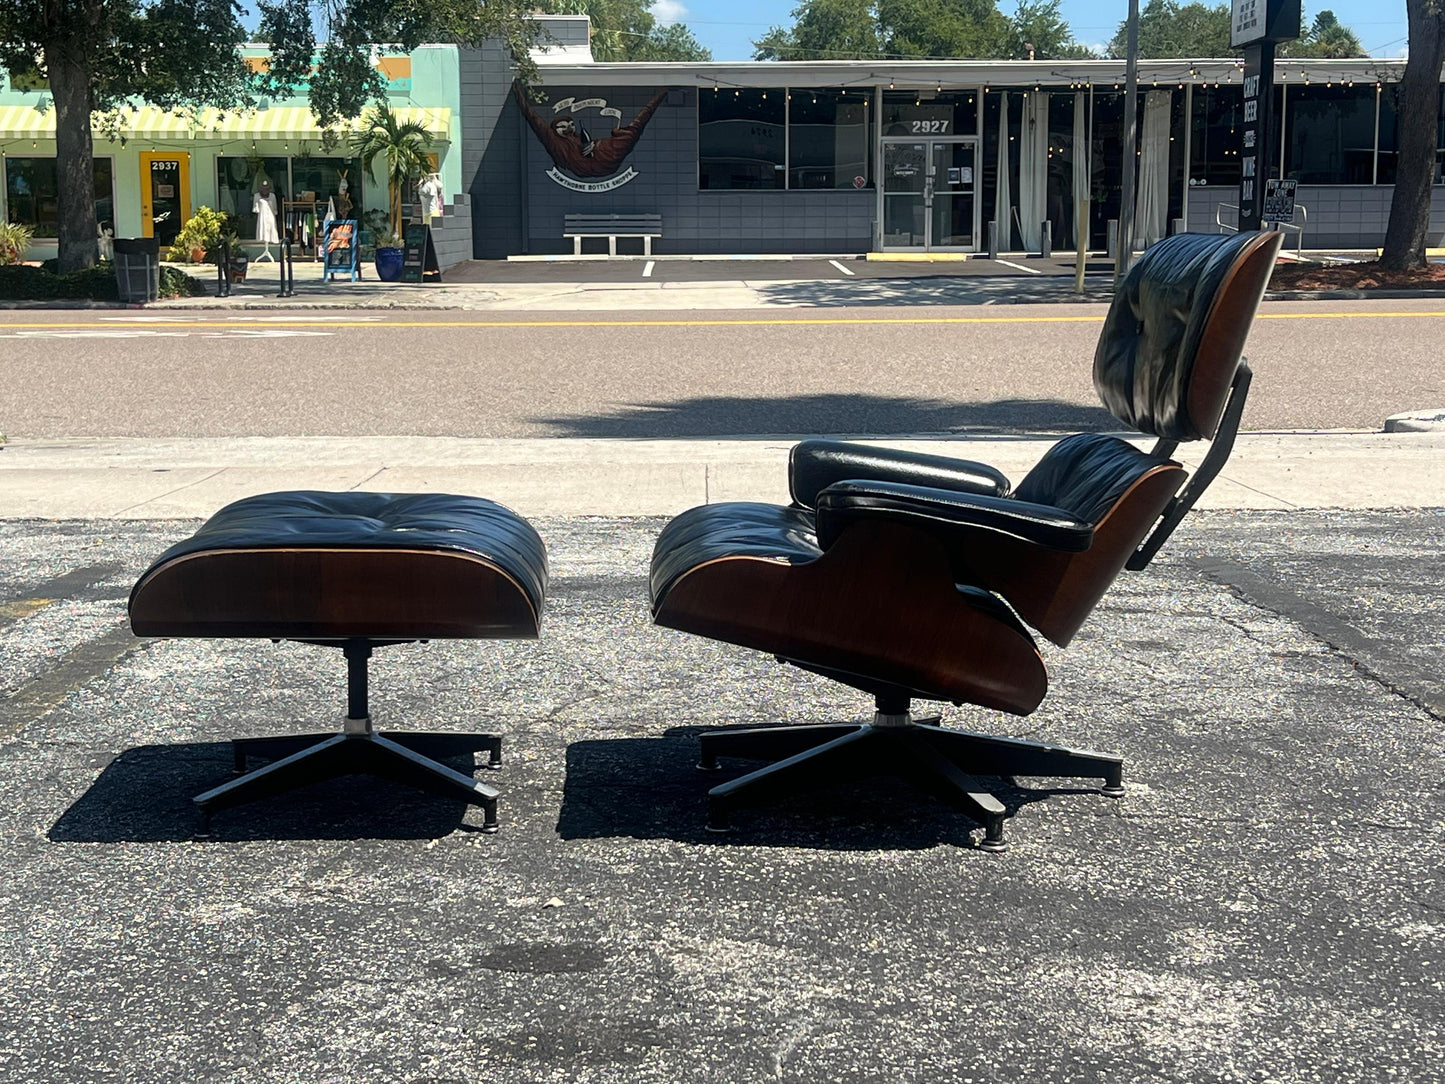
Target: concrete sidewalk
(190,478)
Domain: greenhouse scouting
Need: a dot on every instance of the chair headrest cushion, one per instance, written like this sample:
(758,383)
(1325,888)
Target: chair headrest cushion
(1148,358)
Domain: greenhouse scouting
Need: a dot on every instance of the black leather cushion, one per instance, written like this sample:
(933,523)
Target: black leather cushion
(730,529)
(1086,474)
(1145,356)
(814,465)
(942,512)
(421,521)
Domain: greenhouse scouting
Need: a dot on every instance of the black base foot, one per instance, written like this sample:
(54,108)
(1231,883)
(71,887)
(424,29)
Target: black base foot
(402,758)
(944,762)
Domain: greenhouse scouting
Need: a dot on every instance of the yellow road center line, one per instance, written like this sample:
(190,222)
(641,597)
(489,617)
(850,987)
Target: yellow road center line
(181,324)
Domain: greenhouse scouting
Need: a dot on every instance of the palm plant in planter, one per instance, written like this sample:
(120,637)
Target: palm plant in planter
(402,146)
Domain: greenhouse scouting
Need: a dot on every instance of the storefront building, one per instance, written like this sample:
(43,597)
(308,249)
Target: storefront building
(154,168)
(862,156)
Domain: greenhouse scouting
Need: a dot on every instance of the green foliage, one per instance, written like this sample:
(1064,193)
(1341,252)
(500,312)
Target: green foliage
(917,30)
(1326,37)
(627,30)
(402,147)
(14,240)
(824,30)
(168,52)
(1168,29)
(202,230)
(26,283)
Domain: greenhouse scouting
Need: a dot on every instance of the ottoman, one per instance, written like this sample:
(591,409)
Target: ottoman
(357,571)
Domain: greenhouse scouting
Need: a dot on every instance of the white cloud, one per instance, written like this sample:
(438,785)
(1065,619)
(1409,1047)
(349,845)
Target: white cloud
(668,12)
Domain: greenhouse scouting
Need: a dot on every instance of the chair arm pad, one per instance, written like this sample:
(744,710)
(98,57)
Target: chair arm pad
(816,464)
(948,514)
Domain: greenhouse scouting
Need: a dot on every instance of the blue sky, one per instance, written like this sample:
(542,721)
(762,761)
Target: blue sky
(728,27)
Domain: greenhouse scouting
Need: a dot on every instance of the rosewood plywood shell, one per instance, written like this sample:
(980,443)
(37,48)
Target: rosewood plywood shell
(880,603)
(332,593)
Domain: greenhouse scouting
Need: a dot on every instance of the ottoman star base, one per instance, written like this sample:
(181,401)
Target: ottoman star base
(358,571)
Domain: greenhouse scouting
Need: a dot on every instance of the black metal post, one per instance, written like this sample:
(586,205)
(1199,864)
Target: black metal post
(223,270)
(288,268)
(1255,132)
(357,653)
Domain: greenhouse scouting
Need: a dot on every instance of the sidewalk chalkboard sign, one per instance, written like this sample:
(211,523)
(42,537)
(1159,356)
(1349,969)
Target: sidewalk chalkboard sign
(419,256)
(1278,200)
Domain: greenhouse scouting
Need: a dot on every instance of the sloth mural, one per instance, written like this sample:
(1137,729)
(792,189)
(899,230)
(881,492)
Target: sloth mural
(591,163)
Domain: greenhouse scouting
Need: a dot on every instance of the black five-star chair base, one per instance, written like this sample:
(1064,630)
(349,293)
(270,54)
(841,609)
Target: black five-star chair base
(945,762)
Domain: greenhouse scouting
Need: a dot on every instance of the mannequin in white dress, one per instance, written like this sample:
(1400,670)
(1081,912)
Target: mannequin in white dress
(430,191)
(263,205)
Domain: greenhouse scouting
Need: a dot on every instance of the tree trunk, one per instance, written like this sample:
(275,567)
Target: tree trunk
(74,158)
(1416,137)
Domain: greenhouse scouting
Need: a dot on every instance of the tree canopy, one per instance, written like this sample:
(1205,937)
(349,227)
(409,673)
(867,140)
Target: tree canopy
(917,30)
(1325,37)
(1170,29)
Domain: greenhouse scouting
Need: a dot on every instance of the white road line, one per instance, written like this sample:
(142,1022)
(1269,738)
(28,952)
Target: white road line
(840,267)
(647,269)
(1020,267)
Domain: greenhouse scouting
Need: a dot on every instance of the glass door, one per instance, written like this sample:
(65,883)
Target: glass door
(165,194)
(950,223)
(905,201)
(929,195)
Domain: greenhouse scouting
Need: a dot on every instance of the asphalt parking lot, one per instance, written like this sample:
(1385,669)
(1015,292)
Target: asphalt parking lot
(712,269)
(1265,903)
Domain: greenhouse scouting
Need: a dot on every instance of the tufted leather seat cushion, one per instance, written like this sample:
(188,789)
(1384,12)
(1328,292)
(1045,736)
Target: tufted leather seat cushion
(389,547)
(1145,359)
(730,529)
(1086,474)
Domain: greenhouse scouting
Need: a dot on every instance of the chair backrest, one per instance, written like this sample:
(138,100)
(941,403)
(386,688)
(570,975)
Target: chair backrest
(1166,363)
(1172,340)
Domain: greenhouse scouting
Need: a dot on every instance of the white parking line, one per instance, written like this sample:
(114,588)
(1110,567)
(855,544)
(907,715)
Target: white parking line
(840,267)
(647,268)
(1020,267)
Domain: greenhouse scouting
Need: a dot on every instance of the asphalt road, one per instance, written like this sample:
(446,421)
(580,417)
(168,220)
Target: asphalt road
(881,371)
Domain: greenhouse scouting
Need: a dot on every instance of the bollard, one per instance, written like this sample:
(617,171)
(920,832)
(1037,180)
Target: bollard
(1046,239)
(288,268)
(223,269)
(993,240)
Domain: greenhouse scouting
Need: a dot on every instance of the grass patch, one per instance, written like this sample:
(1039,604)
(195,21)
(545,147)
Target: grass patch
(26,283)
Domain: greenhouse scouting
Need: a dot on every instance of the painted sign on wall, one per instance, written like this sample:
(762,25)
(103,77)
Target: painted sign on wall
(582,160)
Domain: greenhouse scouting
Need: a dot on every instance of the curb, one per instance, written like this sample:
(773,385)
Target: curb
(1352,295)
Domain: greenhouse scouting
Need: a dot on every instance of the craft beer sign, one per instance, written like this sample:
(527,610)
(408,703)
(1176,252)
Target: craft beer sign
(1257,25)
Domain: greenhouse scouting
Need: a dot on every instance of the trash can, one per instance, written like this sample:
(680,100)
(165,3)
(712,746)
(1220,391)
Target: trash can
(138,268)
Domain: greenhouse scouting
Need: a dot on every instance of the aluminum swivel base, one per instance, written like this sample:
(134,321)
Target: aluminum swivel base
(943,761)
(413,759)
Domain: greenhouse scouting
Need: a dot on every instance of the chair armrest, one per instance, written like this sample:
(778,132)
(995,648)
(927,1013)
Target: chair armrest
(814,465)
(950,515)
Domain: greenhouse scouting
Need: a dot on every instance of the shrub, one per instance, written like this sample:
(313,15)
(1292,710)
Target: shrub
(23,283)
(14,240)
(202,230)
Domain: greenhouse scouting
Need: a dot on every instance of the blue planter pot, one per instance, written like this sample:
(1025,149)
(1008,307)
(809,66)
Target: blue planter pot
(388,264)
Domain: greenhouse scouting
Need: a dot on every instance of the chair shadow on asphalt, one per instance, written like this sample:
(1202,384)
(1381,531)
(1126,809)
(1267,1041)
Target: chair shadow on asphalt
(650,788)
(144,796)
(835,414)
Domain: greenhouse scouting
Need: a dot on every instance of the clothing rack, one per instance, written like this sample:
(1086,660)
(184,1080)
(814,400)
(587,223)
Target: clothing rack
(294,214)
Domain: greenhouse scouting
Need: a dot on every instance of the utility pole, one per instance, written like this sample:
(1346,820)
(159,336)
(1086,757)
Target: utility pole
(1124,242)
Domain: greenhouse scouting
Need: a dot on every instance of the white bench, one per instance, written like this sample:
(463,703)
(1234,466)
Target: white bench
(578,226)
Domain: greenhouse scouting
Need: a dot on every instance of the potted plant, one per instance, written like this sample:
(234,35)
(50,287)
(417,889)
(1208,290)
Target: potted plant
(15,238)
(402,148)
(200,235)
(230,249)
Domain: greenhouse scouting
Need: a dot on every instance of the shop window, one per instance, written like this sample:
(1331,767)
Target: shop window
(237,180)
(1389,146)
(323,176)
(1214,142)
(829,139)
(742,138)
(1329,134)
(918,113)
(31,194)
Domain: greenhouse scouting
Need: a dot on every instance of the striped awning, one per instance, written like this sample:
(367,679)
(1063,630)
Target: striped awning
(278,122)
